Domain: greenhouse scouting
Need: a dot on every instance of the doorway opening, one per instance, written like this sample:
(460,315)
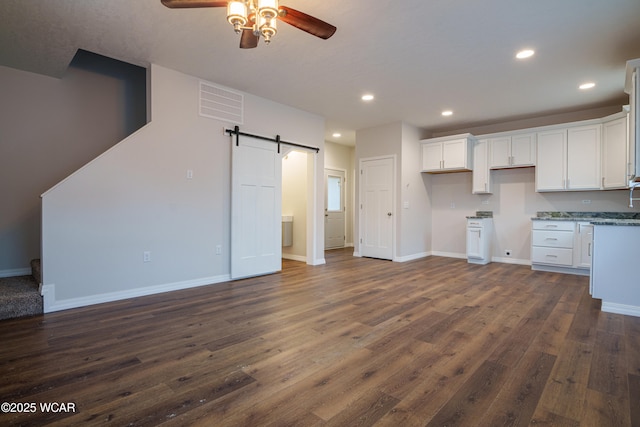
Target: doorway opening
(335,208)
(296,174)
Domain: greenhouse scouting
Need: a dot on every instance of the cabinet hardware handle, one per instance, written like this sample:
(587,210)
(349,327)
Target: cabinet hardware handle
(551,238)
(551,226)
(589,249)
(552,256)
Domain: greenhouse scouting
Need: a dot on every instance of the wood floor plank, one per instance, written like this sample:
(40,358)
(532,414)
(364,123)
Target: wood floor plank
(517,400)
(469,404)
(565,392)
(608,373)
(357,341)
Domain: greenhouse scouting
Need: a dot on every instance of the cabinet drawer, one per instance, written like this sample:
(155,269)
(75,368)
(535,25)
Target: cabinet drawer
(554,239)
(554,225)
(555,256)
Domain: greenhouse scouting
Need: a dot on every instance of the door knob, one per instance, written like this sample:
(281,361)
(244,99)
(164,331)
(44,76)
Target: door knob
(388,213)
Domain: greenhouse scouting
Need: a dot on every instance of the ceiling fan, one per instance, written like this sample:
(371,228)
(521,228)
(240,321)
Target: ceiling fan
(255,18)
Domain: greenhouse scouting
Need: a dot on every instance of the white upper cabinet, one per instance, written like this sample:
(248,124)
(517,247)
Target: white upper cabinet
(448,154)
(512,151)
(551,160)
(615,162)
(481,175)
(569,159)
(583,158)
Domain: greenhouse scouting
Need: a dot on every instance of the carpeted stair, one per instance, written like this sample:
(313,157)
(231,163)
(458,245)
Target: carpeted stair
(20,296)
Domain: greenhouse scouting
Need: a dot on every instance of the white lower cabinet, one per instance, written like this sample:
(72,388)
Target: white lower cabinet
(561,246)
(552,243)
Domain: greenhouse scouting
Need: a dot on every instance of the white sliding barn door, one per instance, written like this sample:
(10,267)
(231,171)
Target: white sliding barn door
(256,208)
(376,208)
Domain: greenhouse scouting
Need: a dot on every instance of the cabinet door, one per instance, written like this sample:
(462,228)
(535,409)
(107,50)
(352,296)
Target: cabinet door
(551,160)
(583,158)
(481,177)
(432,156)
(614,154)
(500,152)
(585,242)
(474,243)
(523,150)
(454,154)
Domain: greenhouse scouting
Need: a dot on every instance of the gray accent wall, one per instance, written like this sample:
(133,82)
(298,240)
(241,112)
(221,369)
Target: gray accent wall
(51,127)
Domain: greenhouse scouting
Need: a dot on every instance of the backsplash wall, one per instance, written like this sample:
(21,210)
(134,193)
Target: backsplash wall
(513,202)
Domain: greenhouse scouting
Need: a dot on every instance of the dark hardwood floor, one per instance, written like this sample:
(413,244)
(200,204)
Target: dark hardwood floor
(432,342)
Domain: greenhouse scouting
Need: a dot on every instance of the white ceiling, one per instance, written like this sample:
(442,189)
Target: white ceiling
(417,57)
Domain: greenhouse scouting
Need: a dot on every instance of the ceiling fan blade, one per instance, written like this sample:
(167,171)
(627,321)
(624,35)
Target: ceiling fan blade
(306,22)
(181,4)
(248,40)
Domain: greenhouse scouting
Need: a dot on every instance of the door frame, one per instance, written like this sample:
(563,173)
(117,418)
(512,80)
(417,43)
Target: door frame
(394,166)
(344,196)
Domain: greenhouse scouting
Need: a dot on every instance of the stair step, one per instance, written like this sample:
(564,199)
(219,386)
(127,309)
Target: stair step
(19,296)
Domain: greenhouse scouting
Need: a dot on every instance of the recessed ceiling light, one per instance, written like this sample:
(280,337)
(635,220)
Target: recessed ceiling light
(526,53)
(588,85)
(337,135)
(447,113)
(367,97)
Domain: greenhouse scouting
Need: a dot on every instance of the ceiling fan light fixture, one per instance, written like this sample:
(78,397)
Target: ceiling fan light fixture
(268,9)
(237,15)
(267,28)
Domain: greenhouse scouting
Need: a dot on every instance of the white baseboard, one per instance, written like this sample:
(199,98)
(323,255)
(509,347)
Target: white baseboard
(563,270)
(411,257)
(319,261)
(51,304)
(357,254)
(295,257)
(627,310)
(449,254)
(15,272)
(506,260)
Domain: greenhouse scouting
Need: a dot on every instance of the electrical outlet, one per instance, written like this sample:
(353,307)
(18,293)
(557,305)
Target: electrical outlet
(146,256)
(507,252)
(219,250)
(189,174)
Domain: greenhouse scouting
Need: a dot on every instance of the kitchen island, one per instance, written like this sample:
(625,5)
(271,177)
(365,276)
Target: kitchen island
(615,271)
(604,245)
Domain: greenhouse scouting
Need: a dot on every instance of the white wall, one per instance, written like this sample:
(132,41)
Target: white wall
(136,197)
(413,224)
(414,199)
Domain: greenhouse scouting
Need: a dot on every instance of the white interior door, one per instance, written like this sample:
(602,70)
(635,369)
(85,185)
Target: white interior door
(334,209)
(376,208)
(256,209)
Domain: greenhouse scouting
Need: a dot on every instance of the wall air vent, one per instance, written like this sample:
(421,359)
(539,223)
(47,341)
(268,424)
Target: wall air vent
(221,103)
